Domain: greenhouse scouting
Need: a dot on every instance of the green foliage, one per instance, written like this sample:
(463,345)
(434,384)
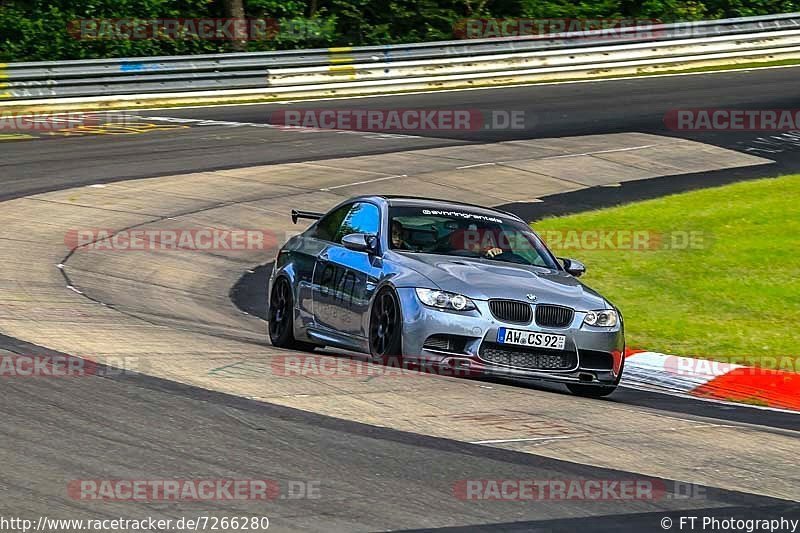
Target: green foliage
(32,30)
(707,298)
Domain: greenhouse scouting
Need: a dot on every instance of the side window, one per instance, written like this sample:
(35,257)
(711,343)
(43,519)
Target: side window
(362,218)
(328,226)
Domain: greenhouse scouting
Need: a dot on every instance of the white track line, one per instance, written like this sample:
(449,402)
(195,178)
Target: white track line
(610,151)
(326,189)
(476,165)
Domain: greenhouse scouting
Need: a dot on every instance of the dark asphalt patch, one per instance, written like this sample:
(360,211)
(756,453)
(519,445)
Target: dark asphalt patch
(592,198)
(250,292)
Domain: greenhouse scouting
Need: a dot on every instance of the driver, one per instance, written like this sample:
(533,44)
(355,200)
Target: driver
(475,246)
(493,252)
(398,242)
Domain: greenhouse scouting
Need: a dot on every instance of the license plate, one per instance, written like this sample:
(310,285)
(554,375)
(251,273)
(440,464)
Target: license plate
(536,339)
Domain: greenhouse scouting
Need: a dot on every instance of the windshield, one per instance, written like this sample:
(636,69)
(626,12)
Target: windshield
(463,233)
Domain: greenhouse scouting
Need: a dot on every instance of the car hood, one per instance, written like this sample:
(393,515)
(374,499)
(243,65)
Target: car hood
(482,279)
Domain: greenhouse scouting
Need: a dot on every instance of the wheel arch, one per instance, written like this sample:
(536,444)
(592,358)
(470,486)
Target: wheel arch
(383,286)
(287,272)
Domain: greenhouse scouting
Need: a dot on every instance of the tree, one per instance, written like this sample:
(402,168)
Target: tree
(235,9)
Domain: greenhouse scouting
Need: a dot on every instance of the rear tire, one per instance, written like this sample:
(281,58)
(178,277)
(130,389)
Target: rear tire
(281,317)
(386,329)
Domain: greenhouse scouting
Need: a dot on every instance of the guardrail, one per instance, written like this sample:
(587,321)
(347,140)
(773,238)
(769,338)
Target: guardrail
(411,66)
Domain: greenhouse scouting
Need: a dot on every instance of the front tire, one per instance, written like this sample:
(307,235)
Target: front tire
(386,328)
(591,391)
(281,317)
(597,391)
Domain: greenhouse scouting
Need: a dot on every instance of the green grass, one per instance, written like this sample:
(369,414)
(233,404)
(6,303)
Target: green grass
(737,294)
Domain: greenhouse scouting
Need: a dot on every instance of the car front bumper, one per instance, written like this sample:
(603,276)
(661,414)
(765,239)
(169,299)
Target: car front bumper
(597,352)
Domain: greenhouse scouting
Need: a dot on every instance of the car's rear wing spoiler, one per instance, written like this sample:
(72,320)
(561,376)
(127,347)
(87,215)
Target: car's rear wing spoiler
(305,214)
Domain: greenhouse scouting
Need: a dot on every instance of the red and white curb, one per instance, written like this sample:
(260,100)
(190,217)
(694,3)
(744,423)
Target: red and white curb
(712,379)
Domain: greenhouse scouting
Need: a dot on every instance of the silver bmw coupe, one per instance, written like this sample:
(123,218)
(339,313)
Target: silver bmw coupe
(446,285)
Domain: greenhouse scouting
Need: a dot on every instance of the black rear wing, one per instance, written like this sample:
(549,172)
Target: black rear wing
(305,214)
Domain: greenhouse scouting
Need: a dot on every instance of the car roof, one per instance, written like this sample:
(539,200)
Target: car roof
(418,201)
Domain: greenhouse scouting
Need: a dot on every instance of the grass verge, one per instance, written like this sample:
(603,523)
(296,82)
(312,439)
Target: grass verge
(715,273)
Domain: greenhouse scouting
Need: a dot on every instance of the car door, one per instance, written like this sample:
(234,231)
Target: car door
(345,279)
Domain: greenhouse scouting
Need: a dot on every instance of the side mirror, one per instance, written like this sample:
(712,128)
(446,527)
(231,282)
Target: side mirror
(359,242)
(576,268)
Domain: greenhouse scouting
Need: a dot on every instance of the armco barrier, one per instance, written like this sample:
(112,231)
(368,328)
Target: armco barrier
(574,57)
(377,69)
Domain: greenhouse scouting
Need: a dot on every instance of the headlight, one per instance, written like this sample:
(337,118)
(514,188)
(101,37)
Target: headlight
(445,300)
(603,317)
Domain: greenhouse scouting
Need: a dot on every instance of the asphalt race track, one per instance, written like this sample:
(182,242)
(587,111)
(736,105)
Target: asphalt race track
(551,111)
(166,424)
